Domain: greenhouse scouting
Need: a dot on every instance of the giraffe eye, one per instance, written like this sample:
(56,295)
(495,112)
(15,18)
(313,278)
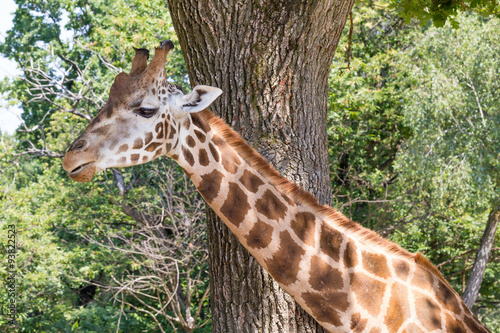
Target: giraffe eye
(146,112)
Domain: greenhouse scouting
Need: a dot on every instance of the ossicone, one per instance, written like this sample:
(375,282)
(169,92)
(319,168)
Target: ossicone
(167,45)
(140,61)
(158,61)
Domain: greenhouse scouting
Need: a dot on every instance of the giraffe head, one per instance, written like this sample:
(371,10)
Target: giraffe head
(139,121)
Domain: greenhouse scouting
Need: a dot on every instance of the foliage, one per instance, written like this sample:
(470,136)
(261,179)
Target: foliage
(366,125)
(442,11)
(86,233)
(451,81)
(413,137)
(51,252)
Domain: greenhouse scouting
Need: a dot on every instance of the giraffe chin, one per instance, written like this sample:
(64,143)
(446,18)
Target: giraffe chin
(83,173)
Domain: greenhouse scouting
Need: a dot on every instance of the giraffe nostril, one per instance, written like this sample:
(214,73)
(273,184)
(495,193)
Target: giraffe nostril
(78,145)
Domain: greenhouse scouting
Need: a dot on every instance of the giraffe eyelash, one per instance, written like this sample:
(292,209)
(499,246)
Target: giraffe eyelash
(146,112)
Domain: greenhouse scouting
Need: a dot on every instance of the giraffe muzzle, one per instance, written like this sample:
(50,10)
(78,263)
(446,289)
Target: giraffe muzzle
(83,173)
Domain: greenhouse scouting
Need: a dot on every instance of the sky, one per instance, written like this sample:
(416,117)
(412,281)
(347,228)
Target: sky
(8,119)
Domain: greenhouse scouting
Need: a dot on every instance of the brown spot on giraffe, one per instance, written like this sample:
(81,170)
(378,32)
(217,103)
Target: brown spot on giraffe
(428,312)
(113,144)
(270,206)
(323,277)
(188,156)
(250,181)
(423,279)
(159,130)
(447,298)
(375,330)
(152,146)
(402,268)
(200,123)
(186,123)
(230,162)
(368,291)
(210,185)
(327,307)
(214,152)
(358,324)
(147,138)
(236,205)
(453,325)
(330,241)
(260,236)
(284,264)
(350,254)
(376,264)
(159,127)
(123,148)
(101,130)
(134,157)
(399,308)
(158,152)
(137,143)
(97,119)
(190,141)
(122,160)
(473,324)
(230,159)
(288,200)
(200,136)
(203,157)
(303,224)
(172,132)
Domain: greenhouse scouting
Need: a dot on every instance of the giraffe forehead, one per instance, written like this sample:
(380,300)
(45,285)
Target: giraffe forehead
(130,92)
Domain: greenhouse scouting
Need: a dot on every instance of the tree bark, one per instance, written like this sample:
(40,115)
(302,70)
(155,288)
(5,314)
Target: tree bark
(272,60)
(476,276)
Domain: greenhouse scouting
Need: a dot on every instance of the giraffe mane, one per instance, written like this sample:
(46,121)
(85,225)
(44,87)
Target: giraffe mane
(304,198)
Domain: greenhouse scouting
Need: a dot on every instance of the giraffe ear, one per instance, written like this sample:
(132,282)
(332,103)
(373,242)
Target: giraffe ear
(200,98)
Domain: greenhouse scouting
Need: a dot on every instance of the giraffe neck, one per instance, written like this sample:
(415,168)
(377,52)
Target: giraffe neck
(346,277)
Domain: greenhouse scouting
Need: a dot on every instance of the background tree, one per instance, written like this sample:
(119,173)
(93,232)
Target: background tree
(272,61)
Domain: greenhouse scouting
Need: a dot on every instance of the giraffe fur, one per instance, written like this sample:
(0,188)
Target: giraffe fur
(347,277)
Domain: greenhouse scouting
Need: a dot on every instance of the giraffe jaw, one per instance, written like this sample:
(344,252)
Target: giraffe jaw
(83,173)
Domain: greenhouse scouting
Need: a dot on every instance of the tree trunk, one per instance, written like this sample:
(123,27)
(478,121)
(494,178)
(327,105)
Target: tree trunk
(476,276)
(272,60)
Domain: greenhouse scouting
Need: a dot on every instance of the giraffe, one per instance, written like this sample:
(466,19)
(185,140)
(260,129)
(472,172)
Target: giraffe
(347,277)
